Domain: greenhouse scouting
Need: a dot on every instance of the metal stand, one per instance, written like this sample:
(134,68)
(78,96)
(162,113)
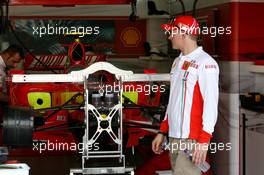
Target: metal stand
(87,140)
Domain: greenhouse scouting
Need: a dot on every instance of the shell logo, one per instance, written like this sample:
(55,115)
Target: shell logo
(130,37)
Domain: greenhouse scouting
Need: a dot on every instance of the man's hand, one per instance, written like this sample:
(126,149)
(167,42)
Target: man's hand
(156,143)
(199,154)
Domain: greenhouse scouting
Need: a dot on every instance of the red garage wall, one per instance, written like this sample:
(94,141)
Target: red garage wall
(247,34)
(251,28)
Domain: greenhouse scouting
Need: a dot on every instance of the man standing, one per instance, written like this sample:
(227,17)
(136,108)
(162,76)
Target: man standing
(9,58)
(193,103)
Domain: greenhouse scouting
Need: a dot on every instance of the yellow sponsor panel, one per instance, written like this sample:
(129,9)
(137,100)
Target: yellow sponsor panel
(39,100)
(65,96)
(133,96)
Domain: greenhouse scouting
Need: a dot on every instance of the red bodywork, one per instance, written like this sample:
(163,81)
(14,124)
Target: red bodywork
(63,118)
(18,97)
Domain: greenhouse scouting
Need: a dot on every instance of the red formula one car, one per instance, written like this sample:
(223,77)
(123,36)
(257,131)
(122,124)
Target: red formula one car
(65,116)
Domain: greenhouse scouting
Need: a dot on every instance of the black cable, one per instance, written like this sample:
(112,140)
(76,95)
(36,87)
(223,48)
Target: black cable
(54,128)
(194,8)
(133,15)
(2,3)
(23,45)
(58,129)
(54,112)
(244,119)
(7,15)
(153,108)
(183,7)
(1,18)
(68,107)
(128,99)
(141,127)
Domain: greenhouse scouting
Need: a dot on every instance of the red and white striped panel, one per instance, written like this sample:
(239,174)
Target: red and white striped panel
(56,61)
(52,61)
(90,59)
